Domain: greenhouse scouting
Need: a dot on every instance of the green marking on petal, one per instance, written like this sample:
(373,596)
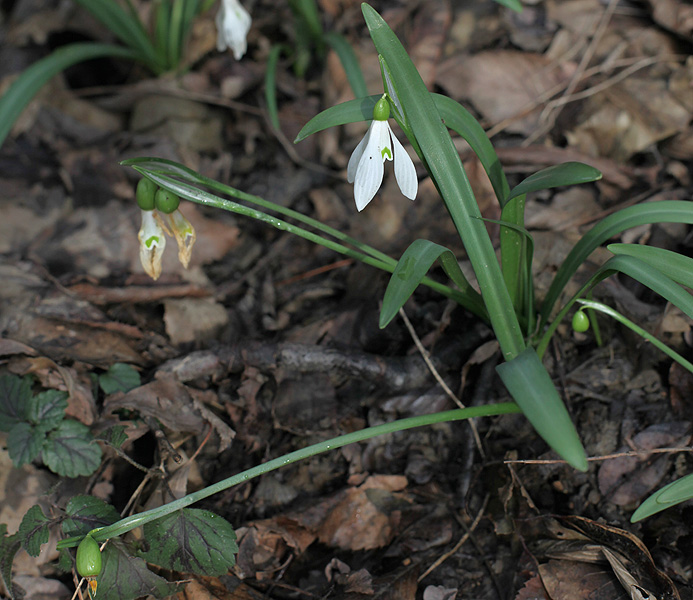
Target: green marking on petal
(151,240)
(385,151)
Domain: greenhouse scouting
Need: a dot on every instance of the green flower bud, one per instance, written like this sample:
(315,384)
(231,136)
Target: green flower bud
(88,557)
(146,189)
(166,202)
(581,322)
(381,111)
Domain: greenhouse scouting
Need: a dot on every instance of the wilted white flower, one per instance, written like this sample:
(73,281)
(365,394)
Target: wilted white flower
(152,243)
(365,169)
(233,24)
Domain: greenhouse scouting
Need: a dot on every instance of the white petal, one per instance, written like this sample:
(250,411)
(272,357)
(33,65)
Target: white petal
(405,171)
(233,24)
(357,154)
(184,233)
(369,172)
(152,244)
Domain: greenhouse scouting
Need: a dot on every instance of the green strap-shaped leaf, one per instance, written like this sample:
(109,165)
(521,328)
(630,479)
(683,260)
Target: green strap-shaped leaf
(351,111)
(349,62)
(127,27)
(515,5)
(666,211)
(412,267)
(570,173)
(27,85)
(672,264)
(444,164)
(637,269)
(531,387)
(676,492)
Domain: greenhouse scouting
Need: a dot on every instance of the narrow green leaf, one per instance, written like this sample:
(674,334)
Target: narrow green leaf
(15,395)
(70,451)
(674,493)
(515,5)
(570,173)
(529,384)
(86,513)
(120,377)
(271,85)
(24,443)
(350,63)
(47,408)
(191,541)
(127,27)
(9,546)
(637,269)
(412,267)
(444,164)
(351,111)
(665,211)
(27,85)
(672,264)
(461,121)
(33,530)
(124,577)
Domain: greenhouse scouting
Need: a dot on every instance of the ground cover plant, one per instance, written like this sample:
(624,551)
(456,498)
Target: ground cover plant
(193,540)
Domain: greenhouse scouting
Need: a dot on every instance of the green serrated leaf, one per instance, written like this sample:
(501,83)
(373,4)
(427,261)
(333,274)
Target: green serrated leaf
(192,541)
(70,450)
(15,394)
(86,513)
(9,545)
(115,436)
(25,443)
(120,377)
(47,408)
(33,530)
(124,577)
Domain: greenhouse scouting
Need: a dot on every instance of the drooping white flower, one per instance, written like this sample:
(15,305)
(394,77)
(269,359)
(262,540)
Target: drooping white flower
(365,169)
(152,243)
(184,233)
(233,24)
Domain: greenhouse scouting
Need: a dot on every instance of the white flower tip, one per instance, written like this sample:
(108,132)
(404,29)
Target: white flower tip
(233,23)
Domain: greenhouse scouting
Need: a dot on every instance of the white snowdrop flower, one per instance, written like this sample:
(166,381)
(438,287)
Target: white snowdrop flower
(233,24)
(365,169)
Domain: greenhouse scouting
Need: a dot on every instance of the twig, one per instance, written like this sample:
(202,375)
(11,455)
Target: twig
(438,378)
(644,454)
(441,559)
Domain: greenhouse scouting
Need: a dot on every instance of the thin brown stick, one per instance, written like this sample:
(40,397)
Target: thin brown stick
(439,379)
(643,454)
(442,558)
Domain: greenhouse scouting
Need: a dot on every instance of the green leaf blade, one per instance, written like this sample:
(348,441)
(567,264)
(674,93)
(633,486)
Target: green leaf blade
(47,408)
(672,264)
(27,85)
(15,395)
(569,173)
(531,387)
(86,513)
(33,530)
(192,541)
(412,267)
(674,493)
(120,377)
(351,111)
(125,577)
(70,451)
(9,546)
(25,443)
